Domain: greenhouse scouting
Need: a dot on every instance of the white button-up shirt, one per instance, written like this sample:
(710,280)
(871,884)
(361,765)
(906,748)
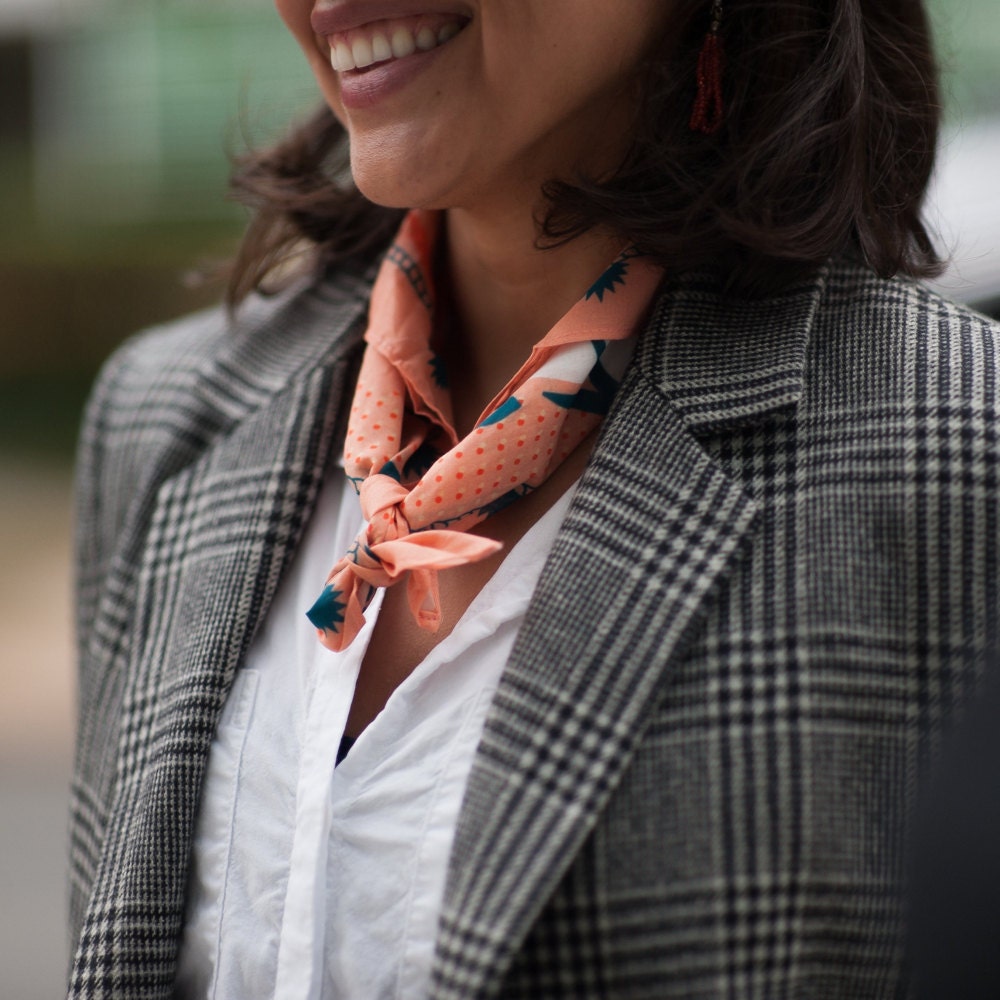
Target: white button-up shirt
(314,882)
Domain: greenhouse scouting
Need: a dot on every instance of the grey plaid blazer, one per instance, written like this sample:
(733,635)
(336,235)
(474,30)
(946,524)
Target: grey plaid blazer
(765,602)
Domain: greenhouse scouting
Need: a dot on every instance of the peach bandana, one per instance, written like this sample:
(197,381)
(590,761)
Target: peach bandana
(420,487)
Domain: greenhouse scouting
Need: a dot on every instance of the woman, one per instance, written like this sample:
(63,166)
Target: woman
(681,524)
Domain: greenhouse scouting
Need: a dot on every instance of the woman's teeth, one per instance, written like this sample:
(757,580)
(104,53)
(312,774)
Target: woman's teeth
(365,48)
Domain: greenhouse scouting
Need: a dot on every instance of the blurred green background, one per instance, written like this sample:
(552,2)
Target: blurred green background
(117,121)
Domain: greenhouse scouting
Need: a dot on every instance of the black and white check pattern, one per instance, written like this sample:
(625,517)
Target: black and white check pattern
(766,600)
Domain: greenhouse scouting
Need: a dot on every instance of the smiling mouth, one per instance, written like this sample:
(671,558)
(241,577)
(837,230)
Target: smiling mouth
(386,41)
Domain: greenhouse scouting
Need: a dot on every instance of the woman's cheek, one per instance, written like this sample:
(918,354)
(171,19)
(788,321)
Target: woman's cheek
(296,16)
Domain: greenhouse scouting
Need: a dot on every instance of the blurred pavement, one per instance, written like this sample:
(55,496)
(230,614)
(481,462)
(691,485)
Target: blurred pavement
(36,712)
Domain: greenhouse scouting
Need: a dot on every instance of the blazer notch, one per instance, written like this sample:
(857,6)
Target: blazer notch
(725,362)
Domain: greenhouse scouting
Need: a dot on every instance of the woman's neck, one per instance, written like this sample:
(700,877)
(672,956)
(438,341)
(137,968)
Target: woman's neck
(505,296)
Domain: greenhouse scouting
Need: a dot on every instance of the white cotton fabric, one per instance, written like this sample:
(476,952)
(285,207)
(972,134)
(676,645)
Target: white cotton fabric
(311,882)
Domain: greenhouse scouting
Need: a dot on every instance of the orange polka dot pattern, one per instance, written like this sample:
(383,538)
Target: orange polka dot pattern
(421,487)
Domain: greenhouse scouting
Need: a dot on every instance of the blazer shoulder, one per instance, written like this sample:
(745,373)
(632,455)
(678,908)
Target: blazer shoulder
(195,377)
(260,345)
(169,392)
(896,341)
(169,354)
(889,308)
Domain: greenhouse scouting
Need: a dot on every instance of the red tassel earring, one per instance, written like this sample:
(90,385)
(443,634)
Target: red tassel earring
(707,114)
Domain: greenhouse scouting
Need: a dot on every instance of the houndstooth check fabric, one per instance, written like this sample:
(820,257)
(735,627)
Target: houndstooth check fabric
(697,788)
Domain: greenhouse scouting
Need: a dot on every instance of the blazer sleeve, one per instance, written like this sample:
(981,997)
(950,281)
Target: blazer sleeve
(92,541)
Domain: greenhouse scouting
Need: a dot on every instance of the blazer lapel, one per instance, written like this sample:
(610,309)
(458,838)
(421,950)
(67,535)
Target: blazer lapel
(220,535)
(654,524)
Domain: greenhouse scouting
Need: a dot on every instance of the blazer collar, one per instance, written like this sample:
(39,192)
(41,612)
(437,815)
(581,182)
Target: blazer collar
(655,524)
(725,361)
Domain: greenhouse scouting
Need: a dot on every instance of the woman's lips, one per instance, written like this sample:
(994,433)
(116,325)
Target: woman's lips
(364,88)
(378,58)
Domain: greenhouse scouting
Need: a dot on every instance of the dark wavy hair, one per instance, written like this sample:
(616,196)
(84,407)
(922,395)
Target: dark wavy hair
(827,146)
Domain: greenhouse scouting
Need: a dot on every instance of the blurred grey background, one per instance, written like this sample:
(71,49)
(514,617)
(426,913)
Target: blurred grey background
(117,118)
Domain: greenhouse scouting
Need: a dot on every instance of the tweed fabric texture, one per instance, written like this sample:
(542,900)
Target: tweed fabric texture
(694,781)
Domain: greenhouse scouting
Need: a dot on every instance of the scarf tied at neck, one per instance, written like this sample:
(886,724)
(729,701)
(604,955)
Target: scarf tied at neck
(420,487)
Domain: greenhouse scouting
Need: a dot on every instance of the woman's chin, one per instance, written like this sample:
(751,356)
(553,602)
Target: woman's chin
(384,185)
(378,196)
(392,192)
(408,174)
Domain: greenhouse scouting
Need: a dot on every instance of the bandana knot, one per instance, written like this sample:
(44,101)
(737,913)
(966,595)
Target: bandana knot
(381,497)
